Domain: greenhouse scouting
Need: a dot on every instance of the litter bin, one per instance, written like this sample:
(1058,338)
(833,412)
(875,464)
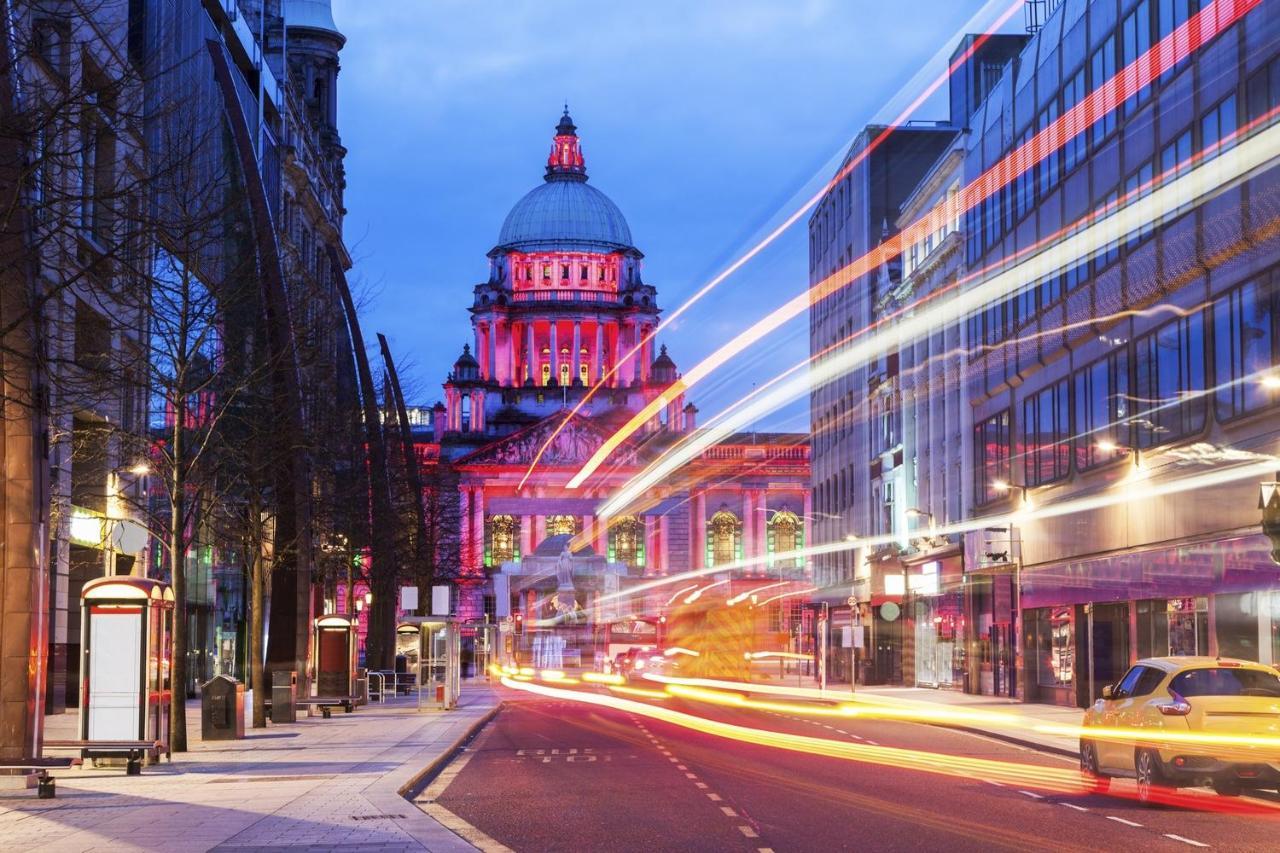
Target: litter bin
(222,709)
(284,695)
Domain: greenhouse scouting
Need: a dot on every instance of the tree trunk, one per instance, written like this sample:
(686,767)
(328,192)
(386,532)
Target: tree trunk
(257,617)
(177,574)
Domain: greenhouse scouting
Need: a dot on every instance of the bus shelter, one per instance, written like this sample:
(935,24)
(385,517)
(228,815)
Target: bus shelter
(439,661)
(126,624)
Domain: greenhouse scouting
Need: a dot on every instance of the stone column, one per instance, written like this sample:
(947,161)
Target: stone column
(650,544)
(616,328)
(491,349)
(555,354)
(749,527)
(477,529)
(598,355)
(24,586)
(526,536)
(577,348)
(698,531)
(530,356)
(539,529)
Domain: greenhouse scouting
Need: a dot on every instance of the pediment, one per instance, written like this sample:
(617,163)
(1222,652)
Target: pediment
(573,445)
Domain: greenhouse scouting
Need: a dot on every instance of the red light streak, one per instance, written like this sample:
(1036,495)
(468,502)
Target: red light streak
(903,117)
(1102,101)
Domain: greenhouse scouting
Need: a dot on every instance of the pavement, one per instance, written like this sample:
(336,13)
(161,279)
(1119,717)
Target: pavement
(551,772)
(317,784)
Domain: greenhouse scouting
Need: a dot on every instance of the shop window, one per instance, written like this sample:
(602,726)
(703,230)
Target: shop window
(559,525)
(1236,624)
(1244,349)
(1055,647)
(724,534)
(502,535)
(626,541)
(1188,626)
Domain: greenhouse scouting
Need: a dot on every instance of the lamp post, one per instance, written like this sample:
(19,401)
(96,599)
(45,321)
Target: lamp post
(1024,506)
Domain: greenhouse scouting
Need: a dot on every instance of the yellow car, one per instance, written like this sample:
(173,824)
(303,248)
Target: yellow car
(1165,702)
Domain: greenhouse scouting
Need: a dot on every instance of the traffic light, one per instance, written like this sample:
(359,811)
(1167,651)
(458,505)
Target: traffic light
(519,623)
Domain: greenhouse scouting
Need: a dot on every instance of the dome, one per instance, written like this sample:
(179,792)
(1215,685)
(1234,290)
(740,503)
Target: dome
(311,14)
(567,215)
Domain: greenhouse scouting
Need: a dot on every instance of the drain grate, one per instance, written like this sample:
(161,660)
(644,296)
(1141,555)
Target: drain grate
(377,817)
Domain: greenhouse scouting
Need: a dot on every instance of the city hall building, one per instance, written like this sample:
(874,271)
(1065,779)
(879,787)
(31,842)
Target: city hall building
(565,309)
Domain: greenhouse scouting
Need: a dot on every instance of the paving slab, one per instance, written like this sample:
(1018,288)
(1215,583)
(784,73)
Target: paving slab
(312,785)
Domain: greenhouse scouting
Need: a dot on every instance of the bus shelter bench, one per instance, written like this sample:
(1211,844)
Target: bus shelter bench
(46,786)
(133,750)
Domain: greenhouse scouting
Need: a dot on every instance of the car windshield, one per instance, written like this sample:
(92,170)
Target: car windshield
(1226,681)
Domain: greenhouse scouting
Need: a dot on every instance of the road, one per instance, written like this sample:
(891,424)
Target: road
(549,774)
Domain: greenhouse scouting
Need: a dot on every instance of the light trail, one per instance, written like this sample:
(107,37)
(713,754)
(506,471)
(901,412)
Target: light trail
(1062,780)
(1102,101)
(1195,187)
(1129,492)
(730,693)
(902,118)
(743,596)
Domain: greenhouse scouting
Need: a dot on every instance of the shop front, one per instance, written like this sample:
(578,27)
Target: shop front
(990,661)
(1088,621)
(937,609)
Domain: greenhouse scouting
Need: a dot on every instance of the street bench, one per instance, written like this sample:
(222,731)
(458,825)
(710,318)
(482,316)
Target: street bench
(46,786)
(326,704)
(133,750)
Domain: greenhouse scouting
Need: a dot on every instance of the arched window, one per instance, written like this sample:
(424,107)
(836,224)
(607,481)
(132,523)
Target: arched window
(546,374)
(561,524)
(723,538)
(564,373)
(785,535)
(582,373)
(502,536)
(626,541)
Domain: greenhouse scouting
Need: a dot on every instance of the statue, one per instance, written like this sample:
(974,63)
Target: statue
(564,569)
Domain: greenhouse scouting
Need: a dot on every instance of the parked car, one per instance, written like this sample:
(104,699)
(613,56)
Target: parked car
(1186,694)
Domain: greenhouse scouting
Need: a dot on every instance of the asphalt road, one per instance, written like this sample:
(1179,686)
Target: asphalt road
(550,774)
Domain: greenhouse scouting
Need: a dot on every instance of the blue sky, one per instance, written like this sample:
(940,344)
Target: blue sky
(702,119)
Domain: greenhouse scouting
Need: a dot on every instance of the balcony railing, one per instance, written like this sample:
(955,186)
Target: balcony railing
(566,295)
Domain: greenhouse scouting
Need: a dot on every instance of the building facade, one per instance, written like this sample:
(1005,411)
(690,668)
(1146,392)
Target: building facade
(1109,409)
(1116,382)
(563,355)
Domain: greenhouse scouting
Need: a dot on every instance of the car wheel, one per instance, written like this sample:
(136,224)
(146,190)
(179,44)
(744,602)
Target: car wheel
(1150,776)
(1226,789)
(1090,776)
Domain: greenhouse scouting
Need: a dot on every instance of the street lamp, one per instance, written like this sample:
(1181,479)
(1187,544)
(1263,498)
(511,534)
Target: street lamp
(1006,486)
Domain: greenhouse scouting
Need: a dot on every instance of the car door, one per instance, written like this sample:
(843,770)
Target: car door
(1113,754)
(1132,712)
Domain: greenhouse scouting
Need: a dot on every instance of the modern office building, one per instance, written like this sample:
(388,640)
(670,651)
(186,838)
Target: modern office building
(1136,385)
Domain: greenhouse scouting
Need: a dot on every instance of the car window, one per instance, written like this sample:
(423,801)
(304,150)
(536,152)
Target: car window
(1149,681)
(1128,683)
(1226,681)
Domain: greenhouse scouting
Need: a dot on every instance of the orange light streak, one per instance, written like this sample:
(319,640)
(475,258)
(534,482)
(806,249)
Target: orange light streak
(1063,780)
(1102,101)
(902,118)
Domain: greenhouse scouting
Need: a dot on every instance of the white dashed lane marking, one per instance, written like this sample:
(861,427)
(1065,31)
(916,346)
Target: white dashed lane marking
(1122,820)
(1074,806)
(1032,794)
(1184,840)
(748,832)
